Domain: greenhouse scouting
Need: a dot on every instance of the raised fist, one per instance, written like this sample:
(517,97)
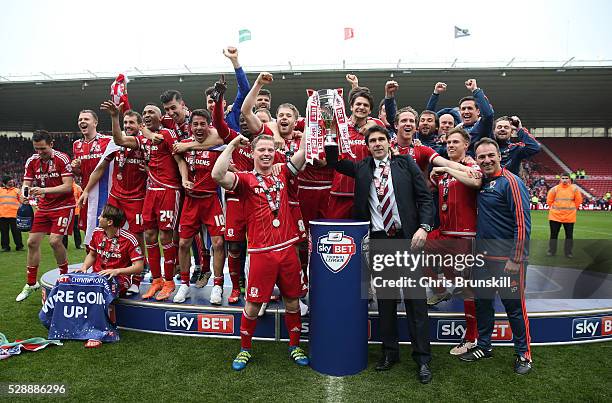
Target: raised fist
(264,78)
(439,88)
(471,85)
(353,80)
(230,52)
(391,88)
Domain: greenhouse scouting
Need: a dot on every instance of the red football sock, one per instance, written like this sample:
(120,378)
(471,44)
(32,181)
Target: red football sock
(247,329)
(185,277)
(63,268)
(32,274)
(304,264)
(154,257)
(218,281)
(234,270)
(169,259)
(471,333)
(293,321)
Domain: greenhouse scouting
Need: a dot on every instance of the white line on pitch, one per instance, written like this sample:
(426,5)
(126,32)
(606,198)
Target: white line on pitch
(334,388)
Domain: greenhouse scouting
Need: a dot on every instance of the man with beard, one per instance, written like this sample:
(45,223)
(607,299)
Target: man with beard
(201,207)
(428,131)
(129,183)
(513,152)
(86,153)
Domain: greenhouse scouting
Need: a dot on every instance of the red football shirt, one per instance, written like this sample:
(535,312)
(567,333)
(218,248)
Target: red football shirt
(457,206)
(117,252)
(261,234)
(291,146)
(47,174)
(129,174)
(163,170)
(89,152)
(199,167)
(343,185)
(422,155)
(182,130)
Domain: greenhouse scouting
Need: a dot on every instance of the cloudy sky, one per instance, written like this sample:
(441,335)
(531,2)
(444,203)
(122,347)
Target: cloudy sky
(106,37)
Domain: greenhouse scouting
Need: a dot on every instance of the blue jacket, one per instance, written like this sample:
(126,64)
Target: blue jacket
(233,118)
(512,153)
(504,218)
(432,104)
(391,110)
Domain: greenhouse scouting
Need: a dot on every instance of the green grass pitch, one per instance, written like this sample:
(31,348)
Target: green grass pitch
(147,367)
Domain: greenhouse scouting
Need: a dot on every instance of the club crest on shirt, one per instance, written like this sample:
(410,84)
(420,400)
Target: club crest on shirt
(336,250)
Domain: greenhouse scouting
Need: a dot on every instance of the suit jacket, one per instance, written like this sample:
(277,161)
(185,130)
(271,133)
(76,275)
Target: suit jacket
(414,201)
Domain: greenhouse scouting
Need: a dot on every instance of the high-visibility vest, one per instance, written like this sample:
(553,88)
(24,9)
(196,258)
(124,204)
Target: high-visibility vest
(563,200)
(77,192)
(9,202)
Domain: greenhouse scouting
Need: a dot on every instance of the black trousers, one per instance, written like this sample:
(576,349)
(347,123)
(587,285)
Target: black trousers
(555,228)
(6,224)
(416,314)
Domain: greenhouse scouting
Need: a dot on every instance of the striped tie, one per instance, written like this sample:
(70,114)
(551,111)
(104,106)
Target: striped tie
(385,201)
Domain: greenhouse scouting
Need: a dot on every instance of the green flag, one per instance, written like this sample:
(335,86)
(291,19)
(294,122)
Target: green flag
(244,35)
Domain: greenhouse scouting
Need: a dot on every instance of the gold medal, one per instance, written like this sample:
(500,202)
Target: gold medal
(276,223)
(119,176)
(444,207)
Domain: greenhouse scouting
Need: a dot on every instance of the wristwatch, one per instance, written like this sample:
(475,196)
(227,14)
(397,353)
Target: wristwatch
(426,227)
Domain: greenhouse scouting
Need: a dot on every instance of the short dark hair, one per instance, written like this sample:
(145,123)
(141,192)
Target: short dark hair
(363,92)
(485,141)
(468,98)
(202,113)
(266,92)
(564,174)
(131,112)
(169,96)
(42,135)
(114,214)
(377,129)
(435,115)
(92,113)
(6,179)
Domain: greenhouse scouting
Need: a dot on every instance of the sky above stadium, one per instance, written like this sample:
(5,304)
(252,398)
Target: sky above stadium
(106,37)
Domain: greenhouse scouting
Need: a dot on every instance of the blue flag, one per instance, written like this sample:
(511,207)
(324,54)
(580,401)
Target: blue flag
(77,308)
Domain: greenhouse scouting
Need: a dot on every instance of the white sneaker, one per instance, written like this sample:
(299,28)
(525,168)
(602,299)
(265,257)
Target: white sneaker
(462,347)
(262,310)
(303,308)
(148,277)
(133,290)
(216,295)
(27,290)
(182,294)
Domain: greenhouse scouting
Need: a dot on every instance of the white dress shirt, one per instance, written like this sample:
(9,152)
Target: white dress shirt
(376,215)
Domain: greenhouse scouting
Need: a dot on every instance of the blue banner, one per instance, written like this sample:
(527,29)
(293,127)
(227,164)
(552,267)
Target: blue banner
(77,308)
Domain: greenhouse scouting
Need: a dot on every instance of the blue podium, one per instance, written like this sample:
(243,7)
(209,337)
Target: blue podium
(338,340)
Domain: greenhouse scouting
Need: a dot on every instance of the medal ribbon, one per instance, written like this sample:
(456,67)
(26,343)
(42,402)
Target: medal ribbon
(274,204)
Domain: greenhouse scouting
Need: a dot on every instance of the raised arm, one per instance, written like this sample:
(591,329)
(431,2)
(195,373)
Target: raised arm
(233,118)
(530,144)
(461,176)
(252,121)
(391,88)
(220,172)
(484,126)
(118,137)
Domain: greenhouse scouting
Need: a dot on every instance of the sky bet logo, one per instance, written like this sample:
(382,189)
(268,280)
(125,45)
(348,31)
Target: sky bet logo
(592,327)
(455,329)
(200,323)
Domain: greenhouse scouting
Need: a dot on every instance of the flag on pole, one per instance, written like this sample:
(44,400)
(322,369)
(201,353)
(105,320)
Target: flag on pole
(460,33)
(348,33)
(244,35)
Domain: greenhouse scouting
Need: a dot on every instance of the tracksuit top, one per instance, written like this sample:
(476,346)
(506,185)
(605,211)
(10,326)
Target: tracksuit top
(512,153)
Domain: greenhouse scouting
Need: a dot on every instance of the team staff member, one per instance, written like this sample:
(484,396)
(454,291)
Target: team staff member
(76,232)
(9,204)
(392,194)
(504,227)
(513,152)
(563,200)
(52,172)
(271,234)
(113,252)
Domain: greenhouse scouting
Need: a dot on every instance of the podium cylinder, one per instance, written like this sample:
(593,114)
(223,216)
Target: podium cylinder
(338,336)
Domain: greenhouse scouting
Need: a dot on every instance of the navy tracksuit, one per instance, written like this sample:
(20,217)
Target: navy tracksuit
(512,153)
(504,226)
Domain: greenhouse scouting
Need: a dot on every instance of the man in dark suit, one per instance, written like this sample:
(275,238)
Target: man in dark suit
(391,193)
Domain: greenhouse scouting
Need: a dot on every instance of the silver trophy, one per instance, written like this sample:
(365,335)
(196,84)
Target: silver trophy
(326,102)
